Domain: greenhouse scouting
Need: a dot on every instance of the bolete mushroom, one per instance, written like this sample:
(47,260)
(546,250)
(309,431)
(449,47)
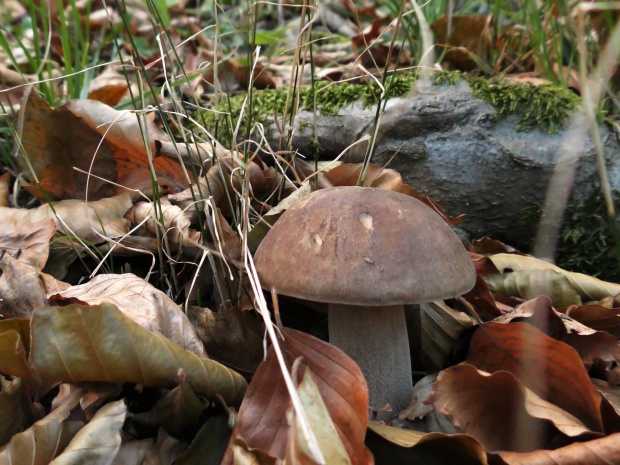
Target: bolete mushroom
(366,252)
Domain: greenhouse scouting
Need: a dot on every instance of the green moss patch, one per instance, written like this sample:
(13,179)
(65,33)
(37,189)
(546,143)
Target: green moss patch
(546,107)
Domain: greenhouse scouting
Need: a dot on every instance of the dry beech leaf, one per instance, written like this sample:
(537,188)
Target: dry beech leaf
(223,182)
(178,409)
(16,412)
(170,220)
(529,284)
(466,43)
(44,440)
(589,344)
(92,222)
(551,369)
(604,451)
(14,348)
(396,446)
(209,444)
(230,335)
(441,328)
(167,449)
(134,452)
(597,317)
(498,410)
(297,449)
(587,287)
(348,174)
(109,87)
(98,343)
(421,391)
(123,135)
(20,289)
(261,422)
(56,141)
(142,302)
(610,392)
(100,439)
(29,242)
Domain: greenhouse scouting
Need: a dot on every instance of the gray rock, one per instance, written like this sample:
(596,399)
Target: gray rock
(450,146)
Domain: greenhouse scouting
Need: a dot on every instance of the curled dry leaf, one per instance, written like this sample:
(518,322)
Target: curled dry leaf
(348,174)
(92,222)
(587,287)
(421,391)
(142,302)
(498,410)
(598,451)
(230,335)
(4,189)
(550,368)
(29,242)
(123,134)
(109,87)
(261,422)
(100,439)
(396,446)
(224,183)
(598,317)
(20,289)
(47,438)
(16,411)
(170,220)
(98,343)
(298,450)
(15,347)
(56,141)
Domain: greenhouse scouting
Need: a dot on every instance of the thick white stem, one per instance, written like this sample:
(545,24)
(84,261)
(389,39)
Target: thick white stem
(376,338)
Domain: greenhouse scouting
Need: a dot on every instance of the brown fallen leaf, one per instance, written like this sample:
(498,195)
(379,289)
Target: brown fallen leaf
(98,343)
(598,317)
(55,141)
(29,242)
(109,87)
(498,410)
(45,439)
(598,451)
(570,283)
(397,446)
(330,446)
(20,289)
(261,421)
(142,302)
(551,369)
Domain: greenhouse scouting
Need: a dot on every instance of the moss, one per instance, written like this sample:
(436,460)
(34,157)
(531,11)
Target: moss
(546,107)
(330,99)
(587,239)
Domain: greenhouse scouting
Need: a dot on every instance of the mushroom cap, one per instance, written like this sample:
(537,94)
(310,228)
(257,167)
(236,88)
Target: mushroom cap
(363,246)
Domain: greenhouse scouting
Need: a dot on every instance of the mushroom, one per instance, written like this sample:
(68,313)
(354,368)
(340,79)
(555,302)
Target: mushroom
(366,252)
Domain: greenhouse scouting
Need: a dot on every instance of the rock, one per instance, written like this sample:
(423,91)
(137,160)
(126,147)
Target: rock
(451,146)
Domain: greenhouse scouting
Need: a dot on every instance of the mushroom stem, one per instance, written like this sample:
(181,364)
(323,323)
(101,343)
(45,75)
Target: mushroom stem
(376,338)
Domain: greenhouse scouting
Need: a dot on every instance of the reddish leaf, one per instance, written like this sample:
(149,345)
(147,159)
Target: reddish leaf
(604,451)
(262,422)
(548,367)
(498,410)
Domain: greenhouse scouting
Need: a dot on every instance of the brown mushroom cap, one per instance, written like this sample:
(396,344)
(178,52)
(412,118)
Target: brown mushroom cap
(363,246)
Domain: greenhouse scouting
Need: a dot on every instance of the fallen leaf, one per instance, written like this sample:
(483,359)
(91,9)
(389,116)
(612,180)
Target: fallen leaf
(298,450)
(498,410)
(29,242)
(551,369)
(261,421)
(100,439)
(142,302)
(397,446)
(98,343)
(20,289)
(54,142)
(597,451)
(585,286)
